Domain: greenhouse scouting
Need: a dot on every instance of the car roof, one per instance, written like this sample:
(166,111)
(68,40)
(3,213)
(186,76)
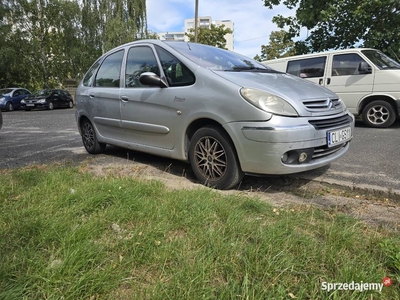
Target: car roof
(310,55)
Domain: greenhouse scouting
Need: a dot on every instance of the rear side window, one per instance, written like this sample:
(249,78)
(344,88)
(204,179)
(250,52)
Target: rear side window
(140,59)
(110,70)
(307,68)
(88,79)
(177,73)
(346,64)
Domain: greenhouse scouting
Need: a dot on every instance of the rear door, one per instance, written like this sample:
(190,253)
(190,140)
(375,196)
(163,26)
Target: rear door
(102,99)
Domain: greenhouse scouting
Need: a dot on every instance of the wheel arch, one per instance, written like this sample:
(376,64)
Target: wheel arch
(197,124)
(79,122)
(372,98)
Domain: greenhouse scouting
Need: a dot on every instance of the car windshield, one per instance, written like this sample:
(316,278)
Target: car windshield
(381,60)
(217,59)
(41,93)
(5,91)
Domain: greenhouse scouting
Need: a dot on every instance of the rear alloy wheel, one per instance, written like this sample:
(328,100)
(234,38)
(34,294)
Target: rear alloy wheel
(9,106)
(89,138)
(51,106)
(70,104)
(379,114)
(213,158)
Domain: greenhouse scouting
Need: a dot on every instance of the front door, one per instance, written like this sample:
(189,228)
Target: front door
(145,110)
(346,81)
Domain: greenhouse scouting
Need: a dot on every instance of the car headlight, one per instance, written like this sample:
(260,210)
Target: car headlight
(2,99)
(42,101)
(268,102)
(22,101)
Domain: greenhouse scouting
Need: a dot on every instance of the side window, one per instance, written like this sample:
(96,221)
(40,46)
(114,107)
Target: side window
(177,73)
(140,59)
(110,70)
(88,79)
(307,68)
(346,64)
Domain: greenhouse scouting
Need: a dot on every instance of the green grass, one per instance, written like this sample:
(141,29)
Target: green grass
(65,234)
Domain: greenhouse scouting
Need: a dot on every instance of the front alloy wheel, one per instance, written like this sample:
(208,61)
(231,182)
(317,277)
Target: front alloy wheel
(213,158)
(9,106)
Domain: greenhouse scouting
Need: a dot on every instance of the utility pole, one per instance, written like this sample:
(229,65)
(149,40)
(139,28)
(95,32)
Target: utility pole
(196,16)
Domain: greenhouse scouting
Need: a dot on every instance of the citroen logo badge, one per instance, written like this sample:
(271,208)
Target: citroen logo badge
(329,103)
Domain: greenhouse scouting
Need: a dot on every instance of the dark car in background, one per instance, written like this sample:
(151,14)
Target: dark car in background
(1,120)
(10,98)
(48,99)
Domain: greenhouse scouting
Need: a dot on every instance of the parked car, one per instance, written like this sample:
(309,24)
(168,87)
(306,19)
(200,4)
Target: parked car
(226,114)
(366,80)
(48,99)
(10,98)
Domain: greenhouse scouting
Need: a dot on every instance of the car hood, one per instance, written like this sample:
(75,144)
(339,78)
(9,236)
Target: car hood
(35,98)
(291,88)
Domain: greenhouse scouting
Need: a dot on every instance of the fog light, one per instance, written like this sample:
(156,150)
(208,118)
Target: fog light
(302,157)
(284,157)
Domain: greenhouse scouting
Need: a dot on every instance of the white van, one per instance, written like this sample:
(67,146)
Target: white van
(366,80)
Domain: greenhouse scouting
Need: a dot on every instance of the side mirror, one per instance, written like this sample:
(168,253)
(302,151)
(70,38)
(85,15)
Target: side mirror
(364,68)
(149,78)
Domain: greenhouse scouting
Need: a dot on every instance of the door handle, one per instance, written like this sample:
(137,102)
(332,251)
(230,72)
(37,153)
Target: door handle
(328,81)
(321,81)
(91,95)
(124,98)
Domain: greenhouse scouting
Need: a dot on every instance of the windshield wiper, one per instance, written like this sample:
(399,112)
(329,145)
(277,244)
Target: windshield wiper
(251,69)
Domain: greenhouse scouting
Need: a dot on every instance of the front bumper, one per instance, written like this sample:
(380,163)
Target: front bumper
(264,147)
(28,106)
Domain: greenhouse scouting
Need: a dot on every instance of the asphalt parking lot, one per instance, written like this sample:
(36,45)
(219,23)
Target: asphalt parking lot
(43,136)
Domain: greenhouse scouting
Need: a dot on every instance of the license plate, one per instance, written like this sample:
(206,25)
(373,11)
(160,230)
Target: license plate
(339,136)
(30,105)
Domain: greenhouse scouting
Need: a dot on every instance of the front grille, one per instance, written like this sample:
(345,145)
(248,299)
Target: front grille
(322,104)
(323,151)
(331,122)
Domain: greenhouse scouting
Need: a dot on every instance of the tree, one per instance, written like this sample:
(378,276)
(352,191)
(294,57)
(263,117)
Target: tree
(279,46)
(45,42)
(344,23)
(213,36)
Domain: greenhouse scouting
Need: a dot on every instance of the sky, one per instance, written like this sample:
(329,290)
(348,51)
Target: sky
(252,20)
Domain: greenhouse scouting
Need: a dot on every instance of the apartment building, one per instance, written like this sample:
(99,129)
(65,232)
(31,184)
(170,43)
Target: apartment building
(203,22)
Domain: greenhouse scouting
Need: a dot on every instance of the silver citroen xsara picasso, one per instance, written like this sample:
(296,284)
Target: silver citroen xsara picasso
(226,114)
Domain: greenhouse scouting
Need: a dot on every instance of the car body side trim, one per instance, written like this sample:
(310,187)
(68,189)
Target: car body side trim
(146,127)
(107,121)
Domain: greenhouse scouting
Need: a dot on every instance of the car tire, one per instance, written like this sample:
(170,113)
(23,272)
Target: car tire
(70,104)
(50,106)
(379,114)
(9,106)
(89,138)
(213,158)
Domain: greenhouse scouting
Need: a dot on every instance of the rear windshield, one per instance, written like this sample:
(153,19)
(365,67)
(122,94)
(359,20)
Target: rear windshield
(381,60)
